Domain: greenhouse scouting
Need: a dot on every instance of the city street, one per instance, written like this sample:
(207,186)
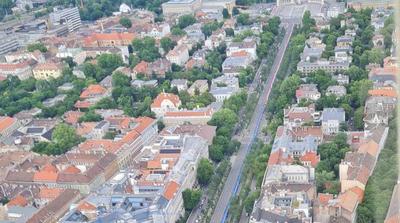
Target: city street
(232,183)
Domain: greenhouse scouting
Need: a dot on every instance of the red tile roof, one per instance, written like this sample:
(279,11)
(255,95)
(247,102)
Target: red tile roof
(324,198)
(92,90)
(188,113)
(171,189)
(86,206)
(278,157)
(141,67)
(45,176)
(72,117)
(370,147)
(72,170)
(6,122)
(49,193)
(311,157)
(19,200)
(13,66)
(166,96)
(359,192)
(47,66)
(109,37)
(383,92)
(83,104)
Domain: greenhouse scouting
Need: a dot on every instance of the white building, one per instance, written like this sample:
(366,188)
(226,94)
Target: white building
(331,120)
(70,16)
(179,55)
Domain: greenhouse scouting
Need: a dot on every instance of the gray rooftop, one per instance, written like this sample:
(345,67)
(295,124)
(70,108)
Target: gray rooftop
(333,114)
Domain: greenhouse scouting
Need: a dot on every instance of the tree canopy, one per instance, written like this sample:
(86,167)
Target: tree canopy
(37,46)
(146,49)
(185,21)
(190,198)
(205,171)
(125,22)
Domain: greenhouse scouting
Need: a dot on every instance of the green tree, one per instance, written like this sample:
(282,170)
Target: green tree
(109,62)
(205,171)
(224,117)
(323,177)
(359,118)
(176,31)
(125,22)
(185,21)
(307,22)
(249,201)
(64,137)
(37,46)
(93,71)
(167,44)
(146,49)
(210,27)
(235,11)
(243,19)
(355,73)
(225,13)
(229,32)
(106,103)
(359,91)
(120,80)
(90,116)
(216,153)
(190,198)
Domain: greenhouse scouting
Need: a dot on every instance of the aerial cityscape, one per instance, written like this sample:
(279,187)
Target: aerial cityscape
(199,111)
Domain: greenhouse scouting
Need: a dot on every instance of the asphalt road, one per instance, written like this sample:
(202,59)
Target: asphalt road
(197,211)
(232,183)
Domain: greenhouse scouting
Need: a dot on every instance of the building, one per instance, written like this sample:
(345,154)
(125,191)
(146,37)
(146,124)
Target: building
(331,119)
(340,209)
(378,110)
(341,79)
(139,83)
(223,87)
(22,70)
(70,16)
(91,95)
(198,116)
(335,9)
(45,71)
(297,2)
(7,44)
(308,92)
(216,38)
(328,66)
(165,102)
(7,126)
(109,39)
(199,86)
(286,195)
(363,4)
(179,55)
(180,84)
(157,31)
(248,45)
(181,6)
(295,116)
(233,65)
(151,191)
(336,90)
(218,5)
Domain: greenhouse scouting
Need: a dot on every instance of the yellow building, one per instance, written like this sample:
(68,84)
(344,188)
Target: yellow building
(45,71)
